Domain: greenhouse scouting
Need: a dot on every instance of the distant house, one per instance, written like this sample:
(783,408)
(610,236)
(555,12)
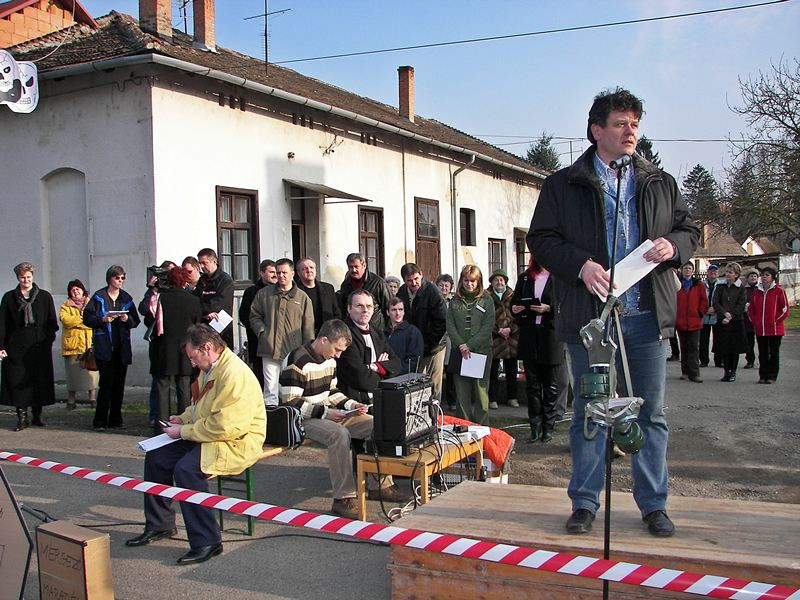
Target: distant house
(149,144)
(23,20)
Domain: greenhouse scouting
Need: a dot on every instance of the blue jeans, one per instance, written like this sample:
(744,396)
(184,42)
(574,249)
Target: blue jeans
(647,361)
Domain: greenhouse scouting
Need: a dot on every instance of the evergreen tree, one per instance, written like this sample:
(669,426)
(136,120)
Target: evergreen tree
(542,154)
(701,192)
(645,148)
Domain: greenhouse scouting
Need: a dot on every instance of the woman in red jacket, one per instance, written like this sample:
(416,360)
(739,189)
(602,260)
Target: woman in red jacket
(692,305)
(767,310)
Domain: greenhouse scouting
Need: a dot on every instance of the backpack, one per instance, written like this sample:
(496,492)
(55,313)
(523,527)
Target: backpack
(284,427)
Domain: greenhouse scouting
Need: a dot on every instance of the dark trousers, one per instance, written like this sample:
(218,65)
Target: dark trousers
(182,394)
(690,353)
(179,462)
(542,391)
(769,353)
(750,350)
(705,338)
(730,362)
(674,348)
(108,412)
(510,369)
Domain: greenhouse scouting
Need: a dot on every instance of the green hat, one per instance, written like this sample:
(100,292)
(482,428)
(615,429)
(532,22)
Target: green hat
(500,273)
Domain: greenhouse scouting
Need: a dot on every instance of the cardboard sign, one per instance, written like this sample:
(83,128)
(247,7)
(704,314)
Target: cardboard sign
(16,545)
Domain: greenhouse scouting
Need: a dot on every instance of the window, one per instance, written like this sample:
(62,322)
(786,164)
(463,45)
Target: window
(427,236)
(370,238)
(521,249)
(467,216)
(237,234)
(497,255)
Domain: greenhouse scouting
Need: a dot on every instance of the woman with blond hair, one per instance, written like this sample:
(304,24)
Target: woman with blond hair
(470,321)
(729,305)
(76,338)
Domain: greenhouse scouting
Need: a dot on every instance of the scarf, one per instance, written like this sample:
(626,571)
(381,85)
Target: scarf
(499,295)
(80,307)
(26,304)
(155,310)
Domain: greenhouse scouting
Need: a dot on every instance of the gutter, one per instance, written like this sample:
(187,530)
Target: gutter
(188,67)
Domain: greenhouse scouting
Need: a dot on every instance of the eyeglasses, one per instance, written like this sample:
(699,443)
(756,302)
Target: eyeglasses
(120,277)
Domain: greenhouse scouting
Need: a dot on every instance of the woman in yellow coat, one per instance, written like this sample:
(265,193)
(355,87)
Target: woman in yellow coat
(76,338)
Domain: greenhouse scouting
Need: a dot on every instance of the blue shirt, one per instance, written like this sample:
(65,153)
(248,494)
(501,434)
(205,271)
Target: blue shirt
(628,228)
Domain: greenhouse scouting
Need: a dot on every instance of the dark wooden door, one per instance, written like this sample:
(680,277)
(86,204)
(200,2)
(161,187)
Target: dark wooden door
(428,250)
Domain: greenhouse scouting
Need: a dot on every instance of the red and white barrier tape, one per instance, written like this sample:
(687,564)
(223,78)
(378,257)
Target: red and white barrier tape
(544,560)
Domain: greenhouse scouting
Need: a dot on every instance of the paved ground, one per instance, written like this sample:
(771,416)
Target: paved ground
(727,440)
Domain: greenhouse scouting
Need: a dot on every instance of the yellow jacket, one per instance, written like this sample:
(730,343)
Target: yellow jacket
(227,417)
(76,338)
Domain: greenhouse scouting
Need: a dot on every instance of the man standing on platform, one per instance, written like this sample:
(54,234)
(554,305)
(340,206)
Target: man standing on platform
(360,278)
(283,319)
(425,309)
(221,433)
(266,276)
(571,235)
(323,296)
(215,290)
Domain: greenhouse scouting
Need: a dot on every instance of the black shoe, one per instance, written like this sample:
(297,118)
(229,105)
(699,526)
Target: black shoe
(726,377)
(536,435)
(37,421)
(732,376)
(201,554)
(749,365)
(659,524)
(389,494)
(547,436)
(150,536)
(580,521)
(696,379)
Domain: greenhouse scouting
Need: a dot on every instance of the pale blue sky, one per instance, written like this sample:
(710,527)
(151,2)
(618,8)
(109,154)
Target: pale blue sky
(685,69)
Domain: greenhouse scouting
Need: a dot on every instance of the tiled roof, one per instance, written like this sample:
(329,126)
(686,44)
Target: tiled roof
(81,14)
(119,35)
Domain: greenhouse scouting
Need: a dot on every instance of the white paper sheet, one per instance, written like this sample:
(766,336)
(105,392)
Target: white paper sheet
(630,270)
(221,322)
(473,366)
(155,442)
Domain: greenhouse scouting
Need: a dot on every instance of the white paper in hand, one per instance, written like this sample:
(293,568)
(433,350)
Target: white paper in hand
(155,442)
(630,270)
(221,322)
(474,366)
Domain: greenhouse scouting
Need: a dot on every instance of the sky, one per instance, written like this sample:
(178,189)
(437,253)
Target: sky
(508,92)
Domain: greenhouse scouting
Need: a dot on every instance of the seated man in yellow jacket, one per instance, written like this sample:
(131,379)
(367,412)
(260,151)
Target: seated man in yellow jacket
(221,433)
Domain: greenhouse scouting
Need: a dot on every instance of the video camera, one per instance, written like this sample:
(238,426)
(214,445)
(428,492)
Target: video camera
(160,274)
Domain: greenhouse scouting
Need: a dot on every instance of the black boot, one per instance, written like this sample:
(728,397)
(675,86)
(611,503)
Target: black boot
(727,376)
(731,376)
(536,431)
(22,419)
(37,416)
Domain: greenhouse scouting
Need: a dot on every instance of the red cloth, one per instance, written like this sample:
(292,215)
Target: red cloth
(768,310)
(497,446)
(692,305)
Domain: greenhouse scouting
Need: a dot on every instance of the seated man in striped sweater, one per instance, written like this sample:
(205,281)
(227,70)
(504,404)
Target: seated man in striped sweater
(308,382)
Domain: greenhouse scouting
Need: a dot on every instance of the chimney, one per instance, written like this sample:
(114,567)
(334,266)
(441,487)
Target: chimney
(406,76)
(155,16)
(204,25)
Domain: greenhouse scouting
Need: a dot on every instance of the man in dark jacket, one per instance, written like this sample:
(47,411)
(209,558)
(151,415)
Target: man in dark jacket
(359,278)
(266,276)
(369,358)
(215,290)
(322,295)
(571,235)
(426,310)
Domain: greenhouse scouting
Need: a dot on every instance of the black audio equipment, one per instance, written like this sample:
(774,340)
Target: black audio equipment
(404,415)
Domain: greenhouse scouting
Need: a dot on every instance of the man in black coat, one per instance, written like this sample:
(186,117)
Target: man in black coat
(215,290)
(323,296)
(266,276)
(369,358)
(426,310)
(359,278)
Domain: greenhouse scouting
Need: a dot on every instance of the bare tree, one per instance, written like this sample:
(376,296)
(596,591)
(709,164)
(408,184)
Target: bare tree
(763,187)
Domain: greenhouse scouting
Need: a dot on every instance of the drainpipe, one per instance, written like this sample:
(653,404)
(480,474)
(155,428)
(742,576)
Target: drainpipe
(454,212)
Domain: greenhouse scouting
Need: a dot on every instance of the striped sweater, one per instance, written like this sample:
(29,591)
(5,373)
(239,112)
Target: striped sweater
(308,382)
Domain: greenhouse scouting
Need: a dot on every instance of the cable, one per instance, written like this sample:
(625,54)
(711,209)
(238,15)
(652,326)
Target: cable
(531,33)
(75,27)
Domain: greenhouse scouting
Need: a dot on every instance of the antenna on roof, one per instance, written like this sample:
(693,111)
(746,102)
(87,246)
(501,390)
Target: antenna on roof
(266,30)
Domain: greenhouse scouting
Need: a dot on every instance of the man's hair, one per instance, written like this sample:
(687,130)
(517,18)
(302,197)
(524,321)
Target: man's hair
(24,267)
(113,271)
(335,329)
(361,292)
(191,260)
(355,256)
(304,259)
(473,272)
(618,99)
(409,269)
(392,302)
(267,262)
(284,261)
(197,335)
(445,277)
(208,252)
(688,262)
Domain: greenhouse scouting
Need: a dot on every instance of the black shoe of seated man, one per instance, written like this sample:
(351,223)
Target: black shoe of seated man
(580,521)
(201,554)
(547,436)
(659,524)
(389,494)
(535,435)
(150,536)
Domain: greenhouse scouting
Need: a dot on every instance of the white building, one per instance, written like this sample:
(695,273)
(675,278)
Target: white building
(149,145)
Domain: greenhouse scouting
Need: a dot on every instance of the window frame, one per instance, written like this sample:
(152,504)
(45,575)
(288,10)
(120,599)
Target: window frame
(467,234)
(493,265)
(378,236)
(251,226)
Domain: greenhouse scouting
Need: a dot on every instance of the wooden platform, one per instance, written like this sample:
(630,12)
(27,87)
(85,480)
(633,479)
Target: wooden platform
(747,540)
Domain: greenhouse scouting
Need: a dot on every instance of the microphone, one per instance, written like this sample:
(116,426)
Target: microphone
(622,161)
